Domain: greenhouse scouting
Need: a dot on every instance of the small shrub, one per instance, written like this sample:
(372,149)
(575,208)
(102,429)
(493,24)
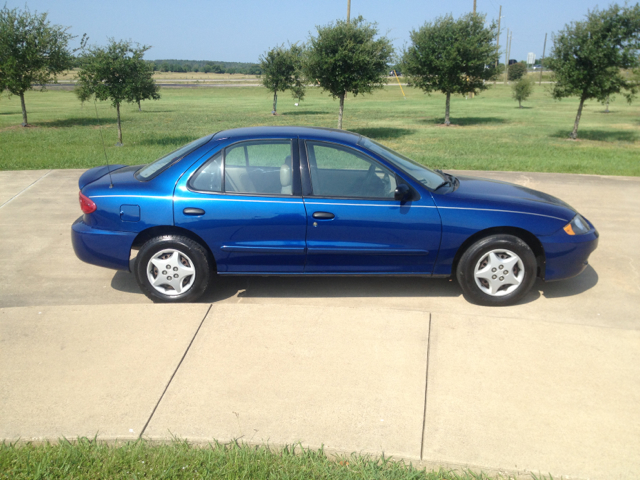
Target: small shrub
(522,89)
(517,71)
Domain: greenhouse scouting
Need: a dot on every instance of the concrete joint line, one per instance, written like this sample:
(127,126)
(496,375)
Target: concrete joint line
(174,372)
(426,386)
(25,189)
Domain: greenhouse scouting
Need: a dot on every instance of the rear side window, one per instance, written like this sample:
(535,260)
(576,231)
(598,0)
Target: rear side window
(155,168)
(259,167)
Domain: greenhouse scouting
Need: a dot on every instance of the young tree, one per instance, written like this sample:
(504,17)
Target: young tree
(348,58)
(278,72)
(32,52)
(522,89)
(588,56)
(606,102)
(452,56)
(117,73)
(299,86)
(142,86)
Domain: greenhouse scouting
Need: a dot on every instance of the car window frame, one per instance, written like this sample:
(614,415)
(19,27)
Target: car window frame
(295,169)
(309,183)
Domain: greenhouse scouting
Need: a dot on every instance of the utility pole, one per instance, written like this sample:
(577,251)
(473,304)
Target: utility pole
(506,58)
(498,44)
(542,61)
(348,10)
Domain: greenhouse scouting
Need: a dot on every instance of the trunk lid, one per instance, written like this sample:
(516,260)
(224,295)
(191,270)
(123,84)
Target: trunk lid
(96,173)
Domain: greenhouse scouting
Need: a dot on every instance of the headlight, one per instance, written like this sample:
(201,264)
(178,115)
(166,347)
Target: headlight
(577,226)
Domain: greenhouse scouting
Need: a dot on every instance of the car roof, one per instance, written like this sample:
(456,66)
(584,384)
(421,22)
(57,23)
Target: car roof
(314,132)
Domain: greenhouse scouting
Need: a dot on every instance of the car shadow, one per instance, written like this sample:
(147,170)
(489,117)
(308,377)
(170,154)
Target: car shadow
(328,287)
(224,287)
(570,287)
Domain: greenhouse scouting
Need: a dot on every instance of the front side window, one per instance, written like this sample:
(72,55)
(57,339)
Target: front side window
(424,175)
(262,167)
(155,168)
(338,171)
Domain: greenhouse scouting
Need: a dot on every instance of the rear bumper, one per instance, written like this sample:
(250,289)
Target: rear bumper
(104,248)
(566,255)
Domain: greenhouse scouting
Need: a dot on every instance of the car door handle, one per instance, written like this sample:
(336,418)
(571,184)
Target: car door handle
(323,215)
(193,211)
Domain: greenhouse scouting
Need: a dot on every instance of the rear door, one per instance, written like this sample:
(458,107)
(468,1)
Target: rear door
(246,203)
(355,225)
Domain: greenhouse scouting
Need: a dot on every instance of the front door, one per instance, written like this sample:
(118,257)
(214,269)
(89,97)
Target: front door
(245,202)
(354,224)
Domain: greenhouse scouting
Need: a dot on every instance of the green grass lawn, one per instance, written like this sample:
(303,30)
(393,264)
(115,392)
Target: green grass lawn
(88,459)
(491,133)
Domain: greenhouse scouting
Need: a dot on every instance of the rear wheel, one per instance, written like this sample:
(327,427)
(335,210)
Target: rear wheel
(172,268)
(497,270)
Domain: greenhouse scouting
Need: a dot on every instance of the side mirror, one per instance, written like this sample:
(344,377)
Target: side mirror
(402,192)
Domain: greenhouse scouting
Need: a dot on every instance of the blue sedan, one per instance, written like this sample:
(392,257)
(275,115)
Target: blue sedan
(311,201)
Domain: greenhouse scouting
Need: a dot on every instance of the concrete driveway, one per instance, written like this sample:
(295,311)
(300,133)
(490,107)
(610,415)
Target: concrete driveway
(401,366)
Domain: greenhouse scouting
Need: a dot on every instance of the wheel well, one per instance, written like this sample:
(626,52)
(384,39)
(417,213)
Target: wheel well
(529,238)
(152,232)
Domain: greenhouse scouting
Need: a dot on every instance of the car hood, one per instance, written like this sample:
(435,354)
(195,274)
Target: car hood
(496,189)
(486,193)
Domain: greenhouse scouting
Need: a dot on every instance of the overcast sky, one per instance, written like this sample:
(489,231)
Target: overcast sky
(241,30)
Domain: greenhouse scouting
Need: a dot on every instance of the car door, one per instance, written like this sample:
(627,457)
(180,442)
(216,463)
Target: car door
(354,224)
(245,203)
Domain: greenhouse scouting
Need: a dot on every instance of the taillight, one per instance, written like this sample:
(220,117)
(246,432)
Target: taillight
(86,204)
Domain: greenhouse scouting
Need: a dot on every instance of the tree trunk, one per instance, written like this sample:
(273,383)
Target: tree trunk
(119,144)
(520,103)
(341,111)
(447,122)
(24,111)
(606,110)
(275,103)
(574,134)
(139,107)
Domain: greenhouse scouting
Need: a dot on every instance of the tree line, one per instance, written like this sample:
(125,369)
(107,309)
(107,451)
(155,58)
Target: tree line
(589,59)
(459,56)
(205,66)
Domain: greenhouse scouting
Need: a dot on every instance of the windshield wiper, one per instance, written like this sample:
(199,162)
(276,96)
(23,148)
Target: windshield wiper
(447,179)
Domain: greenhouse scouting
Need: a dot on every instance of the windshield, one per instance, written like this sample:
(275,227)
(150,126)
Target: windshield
(422,174)
(153,169)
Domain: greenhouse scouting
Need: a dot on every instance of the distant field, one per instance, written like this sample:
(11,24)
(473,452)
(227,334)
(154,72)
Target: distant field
(71,76)
(491,133)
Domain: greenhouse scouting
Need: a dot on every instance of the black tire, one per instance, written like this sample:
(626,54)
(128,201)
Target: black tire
(498,289)
(190,255)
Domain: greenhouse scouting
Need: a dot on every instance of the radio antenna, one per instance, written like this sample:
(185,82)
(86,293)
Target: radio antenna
(104,149)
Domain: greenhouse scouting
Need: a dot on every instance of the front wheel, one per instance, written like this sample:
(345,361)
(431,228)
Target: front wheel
(172,268)
(497,270)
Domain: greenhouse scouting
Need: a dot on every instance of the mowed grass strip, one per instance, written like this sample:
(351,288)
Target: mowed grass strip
(490,132)
(90,459)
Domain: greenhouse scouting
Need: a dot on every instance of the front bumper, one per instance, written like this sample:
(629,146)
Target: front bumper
(567,255)
(105,248)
